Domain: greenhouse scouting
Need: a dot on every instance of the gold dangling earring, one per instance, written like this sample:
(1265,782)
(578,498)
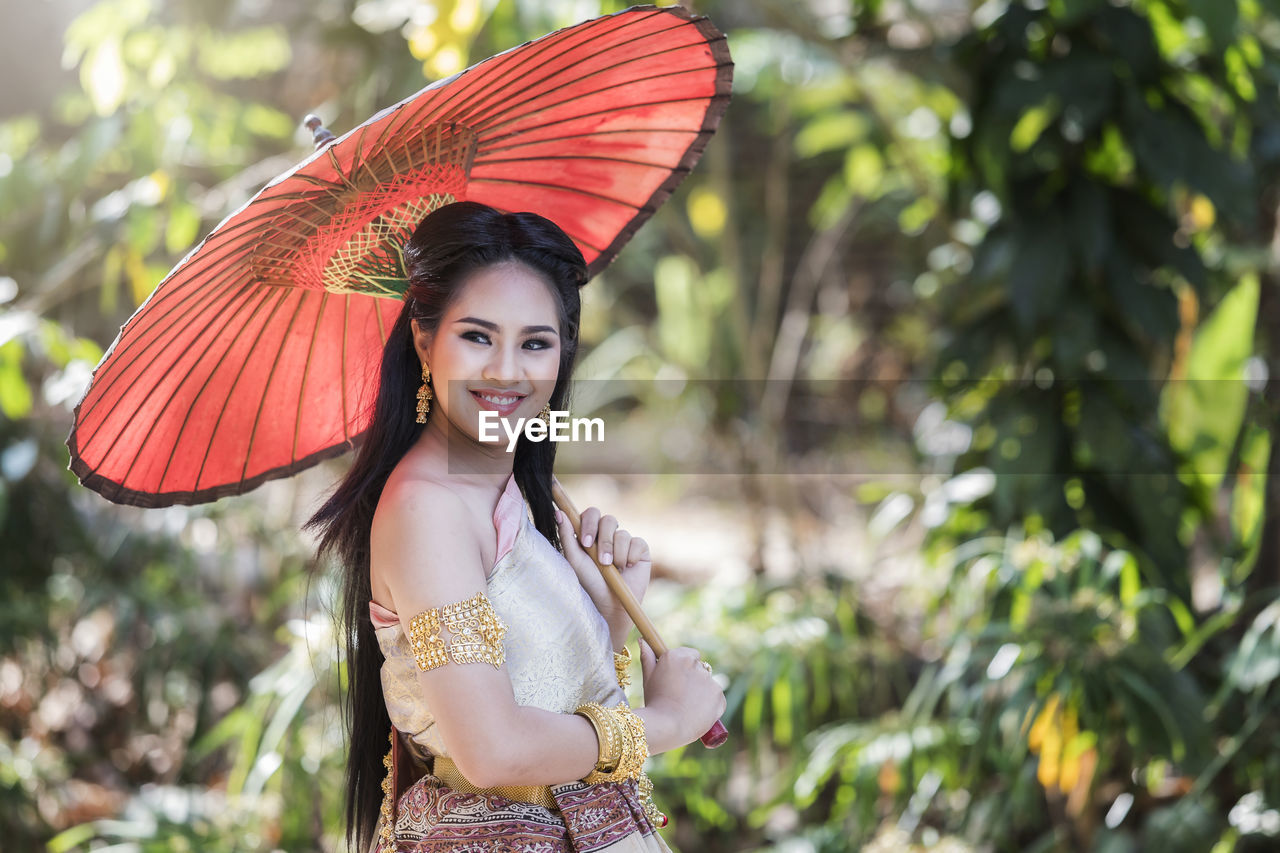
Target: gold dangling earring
(424,395)
(545,414)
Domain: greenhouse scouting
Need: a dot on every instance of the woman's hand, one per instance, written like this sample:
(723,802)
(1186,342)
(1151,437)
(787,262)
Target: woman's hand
(614,545)
(683,691)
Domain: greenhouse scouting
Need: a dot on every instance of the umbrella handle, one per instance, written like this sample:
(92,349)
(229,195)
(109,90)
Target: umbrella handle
(717,734)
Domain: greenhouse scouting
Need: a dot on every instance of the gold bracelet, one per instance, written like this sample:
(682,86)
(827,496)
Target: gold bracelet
(607,734)
(623,748)
(622,665)
(636,751)
(475,631)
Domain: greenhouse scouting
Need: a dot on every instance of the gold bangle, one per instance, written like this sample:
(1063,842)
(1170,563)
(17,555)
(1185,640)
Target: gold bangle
(623,750)
(622,665)
(637,748)
(609,736)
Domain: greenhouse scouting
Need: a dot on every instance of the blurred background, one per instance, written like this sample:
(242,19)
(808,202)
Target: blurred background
(1001,570)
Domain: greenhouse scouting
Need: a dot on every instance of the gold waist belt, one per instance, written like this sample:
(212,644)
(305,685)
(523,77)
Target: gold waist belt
(447,772)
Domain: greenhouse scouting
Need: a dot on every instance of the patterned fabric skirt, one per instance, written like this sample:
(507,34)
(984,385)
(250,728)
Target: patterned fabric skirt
(433,818)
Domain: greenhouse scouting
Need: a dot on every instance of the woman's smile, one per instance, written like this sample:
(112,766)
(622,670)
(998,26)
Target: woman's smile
(504,403)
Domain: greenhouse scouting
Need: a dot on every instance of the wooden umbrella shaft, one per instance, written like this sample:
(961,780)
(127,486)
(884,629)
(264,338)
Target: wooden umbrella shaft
(717,734)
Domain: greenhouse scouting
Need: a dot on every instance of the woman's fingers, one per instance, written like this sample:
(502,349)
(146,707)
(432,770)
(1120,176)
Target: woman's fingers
(647,658)
(613,546)
(568,538)
(604,535)
(577,558)
(621,545)
(637,552)
(589,524)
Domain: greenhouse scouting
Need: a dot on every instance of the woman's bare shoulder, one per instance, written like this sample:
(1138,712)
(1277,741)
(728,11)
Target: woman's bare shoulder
(423,542)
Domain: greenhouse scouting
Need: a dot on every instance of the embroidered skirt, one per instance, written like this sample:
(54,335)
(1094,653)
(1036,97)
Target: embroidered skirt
(434,818)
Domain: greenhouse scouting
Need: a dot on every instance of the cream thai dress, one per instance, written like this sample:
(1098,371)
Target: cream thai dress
(558,656)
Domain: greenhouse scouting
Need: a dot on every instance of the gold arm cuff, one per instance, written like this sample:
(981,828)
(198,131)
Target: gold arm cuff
(622,665)
(475,631)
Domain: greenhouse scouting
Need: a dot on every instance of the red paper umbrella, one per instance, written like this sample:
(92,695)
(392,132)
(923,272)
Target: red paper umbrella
(257,355)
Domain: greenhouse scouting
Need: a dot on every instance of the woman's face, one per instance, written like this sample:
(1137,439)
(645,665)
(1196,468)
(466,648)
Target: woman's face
(497,348)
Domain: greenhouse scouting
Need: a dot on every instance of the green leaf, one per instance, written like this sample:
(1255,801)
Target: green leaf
(1130,581)
(1032,124)
(1038,277)
(1204,409)
(1248,497)
(70,839)
(1152,699)
(15,393)
(831,131)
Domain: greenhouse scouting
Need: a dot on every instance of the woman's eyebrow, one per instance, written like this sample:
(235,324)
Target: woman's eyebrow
(527,330)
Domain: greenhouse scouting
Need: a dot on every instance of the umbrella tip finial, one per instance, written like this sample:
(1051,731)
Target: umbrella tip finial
(320,134)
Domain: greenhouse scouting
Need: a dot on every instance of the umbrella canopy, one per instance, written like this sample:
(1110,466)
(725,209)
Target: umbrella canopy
(257,356)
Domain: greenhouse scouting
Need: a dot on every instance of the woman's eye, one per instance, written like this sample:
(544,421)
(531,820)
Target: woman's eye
(482,338)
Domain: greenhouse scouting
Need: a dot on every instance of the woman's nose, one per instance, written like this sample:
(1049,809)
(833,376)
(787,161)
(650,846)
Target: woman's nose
(503,365)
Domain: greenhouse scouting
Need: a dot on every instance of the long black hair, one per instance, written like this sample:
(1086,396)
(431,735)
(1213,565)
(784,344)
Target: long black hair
(448,245)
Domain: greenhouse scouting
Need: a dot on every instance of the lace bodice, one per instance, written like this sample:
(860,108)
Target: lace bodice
(557,644)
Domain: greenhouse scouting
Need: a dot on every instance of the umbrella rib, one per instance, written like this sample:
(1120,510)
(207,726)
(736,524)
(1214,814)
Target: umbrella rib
(226,401)
(549,83)
(514,118)
(382,332)
(138,346)
(154,386)
(601,158)
(358,161)
(646,131)
(716,107)
(561,187)
(170,289)
(489,145)
(337,167)
(257,418)
(177,285)
(302,383)
(533,101)
(514,69)
(346,329)
(209,378)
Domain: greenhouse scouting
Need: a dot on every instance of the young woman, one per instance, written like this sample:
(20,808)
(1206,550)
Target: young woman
(476,624)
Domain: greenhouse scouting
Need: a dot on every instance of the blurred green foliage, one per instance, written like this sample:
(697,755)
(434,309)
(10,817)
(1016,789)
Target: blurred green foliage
(1061,212)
